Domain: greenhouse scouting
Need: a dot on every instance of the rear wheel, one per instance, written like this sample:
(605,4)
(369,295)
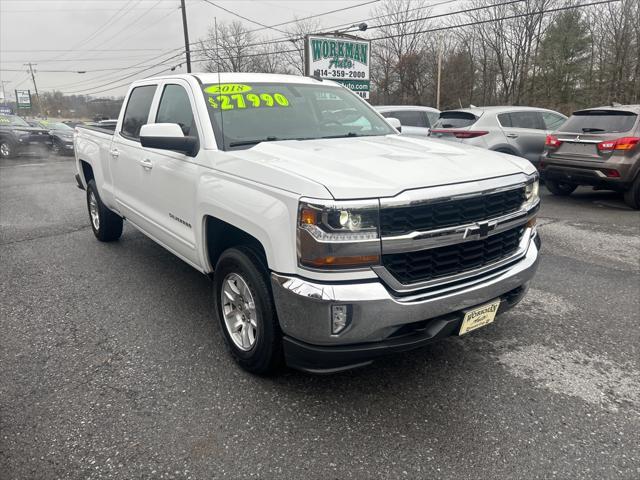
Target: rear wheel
(246,312)
(106,225)
(632,196)
(560,188)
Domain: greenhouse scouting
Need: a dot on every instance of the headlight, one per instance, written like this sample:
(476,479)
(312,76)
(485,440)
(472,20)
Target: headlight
(338,235)
(531,192)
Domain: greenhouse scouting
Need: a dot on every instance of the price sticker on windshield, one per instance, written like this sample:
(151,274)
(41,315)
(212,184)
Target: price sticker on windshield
(232,96)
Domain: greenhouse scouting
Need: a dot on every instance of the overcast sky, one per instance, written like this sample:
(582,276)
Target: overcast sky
(87,35)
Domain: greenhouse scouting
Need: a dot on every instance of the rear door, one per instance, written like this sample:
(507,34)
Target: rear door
(128,157)
(414,122)
(525,131)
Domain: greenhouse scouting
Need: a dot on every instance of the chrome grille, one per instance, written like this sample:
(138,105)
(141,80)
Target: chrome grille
(448,213)
(425,265)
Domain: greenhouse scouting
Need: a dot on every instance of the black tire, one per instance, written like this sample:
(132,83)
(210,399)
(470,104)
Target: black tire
(56,148)
(7,149)
(632,196)
(109,224)
(265,355)
(560,189)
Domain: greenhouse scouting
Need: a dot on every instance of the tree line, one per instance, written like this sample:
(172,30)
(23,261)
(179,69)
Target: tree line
(544,53)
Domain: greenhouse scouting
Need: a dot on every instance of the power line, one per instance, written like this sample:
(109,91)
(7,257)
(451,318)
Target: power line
(109,75)
(96,32)
(243,17)
(164,62)
(492,20)
(321,14)
(540,12)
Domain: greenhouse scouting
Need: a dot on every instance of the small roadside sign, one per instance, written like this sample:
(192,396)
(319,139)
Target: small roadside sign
(23,98)
(342,58)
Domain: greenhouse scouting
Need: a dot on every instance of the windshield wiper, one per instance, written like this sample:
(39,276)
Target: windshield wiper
(254,142)
(592,129)
(344,135)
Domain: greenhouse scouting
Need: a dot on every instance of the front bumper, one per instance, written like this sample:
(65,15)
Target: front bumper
(382,322)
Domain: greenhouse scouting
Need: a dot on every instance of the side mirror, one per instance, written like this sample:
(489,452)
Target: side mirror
(395,123)
(168,136)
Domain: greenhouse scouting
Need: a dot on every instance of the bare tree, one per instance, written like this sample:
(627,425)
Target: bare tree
(230,49)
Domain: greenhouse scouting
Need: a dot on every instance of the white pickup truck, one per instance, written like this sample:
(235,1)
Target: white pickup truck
(330,238)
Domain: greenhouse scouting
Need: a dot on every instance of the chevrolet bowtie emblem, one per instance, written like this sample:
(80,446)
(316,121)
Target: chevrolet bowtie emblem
(481,229)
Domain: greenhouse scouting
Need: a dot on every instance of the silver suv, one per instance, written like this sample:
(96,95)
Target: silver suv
(518,131)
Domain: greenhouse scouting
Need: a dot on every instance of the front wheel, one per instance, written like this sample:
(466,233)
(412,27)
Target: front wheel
(560,188)
(106,225)
(246,312)
(6,149)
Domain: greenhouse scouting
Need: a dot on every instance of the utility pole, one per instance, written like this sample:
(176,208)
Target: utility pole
(186,35)
(33,77)
(439,74)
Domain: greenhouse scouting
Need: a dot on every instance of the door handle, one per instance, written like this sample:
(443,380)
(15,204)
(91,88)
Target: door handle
(512,135)
(114,153)
(146,164)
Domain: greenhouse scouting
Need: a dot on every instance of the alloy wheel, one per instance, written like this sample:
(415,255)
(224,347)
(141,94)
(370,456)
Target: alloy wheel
(239,312)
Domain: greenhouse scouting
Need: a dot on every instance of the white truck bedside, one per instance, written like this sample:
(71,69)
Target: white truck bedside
(330,238)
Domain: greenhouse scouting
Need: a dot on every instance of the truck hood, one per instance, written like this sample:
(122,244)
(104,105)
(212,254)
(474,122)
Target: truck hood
(369,167)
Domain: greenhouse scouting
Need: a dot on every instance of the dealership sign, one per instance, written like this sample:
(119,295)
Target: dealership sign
(23,98)
(344,59)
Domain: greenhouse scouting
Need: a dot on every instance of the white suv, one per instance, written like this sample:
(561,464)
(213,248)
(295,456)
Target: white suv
(415,120)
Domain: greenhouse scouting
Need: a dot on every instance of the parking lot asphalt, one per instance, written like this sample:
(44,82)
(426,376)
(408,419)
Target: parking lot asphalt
(112,365)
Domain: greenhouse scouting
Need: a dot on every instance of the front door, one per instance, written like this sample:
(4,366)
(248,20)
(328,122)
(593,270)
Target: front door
(169,179)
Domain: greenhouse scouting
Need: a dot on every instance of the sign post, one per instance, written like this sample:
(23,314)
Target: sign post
(342,58)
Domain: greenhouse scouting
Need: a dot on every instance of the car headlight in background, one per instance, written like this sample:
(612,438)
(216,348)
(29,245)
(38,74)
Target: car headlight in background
(338,235)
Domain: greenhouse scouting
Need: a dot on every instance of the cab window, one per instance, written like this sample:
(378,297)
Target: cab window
(137,112)
(175,107)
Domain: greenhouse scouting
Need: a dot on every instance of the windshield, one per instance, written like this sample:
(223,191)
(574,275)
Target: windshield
(600,121)
(244,115)
(12,120)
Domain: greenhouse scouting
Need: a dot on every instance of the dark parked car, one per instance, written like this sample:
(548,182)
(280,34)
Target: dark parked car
(61,137)
(598,147)
(17,136)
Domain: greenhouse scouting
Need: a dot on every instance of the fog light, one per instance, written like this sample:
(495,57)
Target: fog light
(340,318)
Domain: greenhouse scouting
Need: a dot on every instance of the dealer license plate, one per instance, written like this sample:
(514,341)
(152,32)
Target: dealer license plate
(479,317)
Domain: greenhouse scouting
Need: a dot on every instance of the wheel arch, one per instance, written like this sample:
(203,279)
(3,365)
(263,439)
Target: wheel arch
(220,235)
(87,172)
(505,148)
